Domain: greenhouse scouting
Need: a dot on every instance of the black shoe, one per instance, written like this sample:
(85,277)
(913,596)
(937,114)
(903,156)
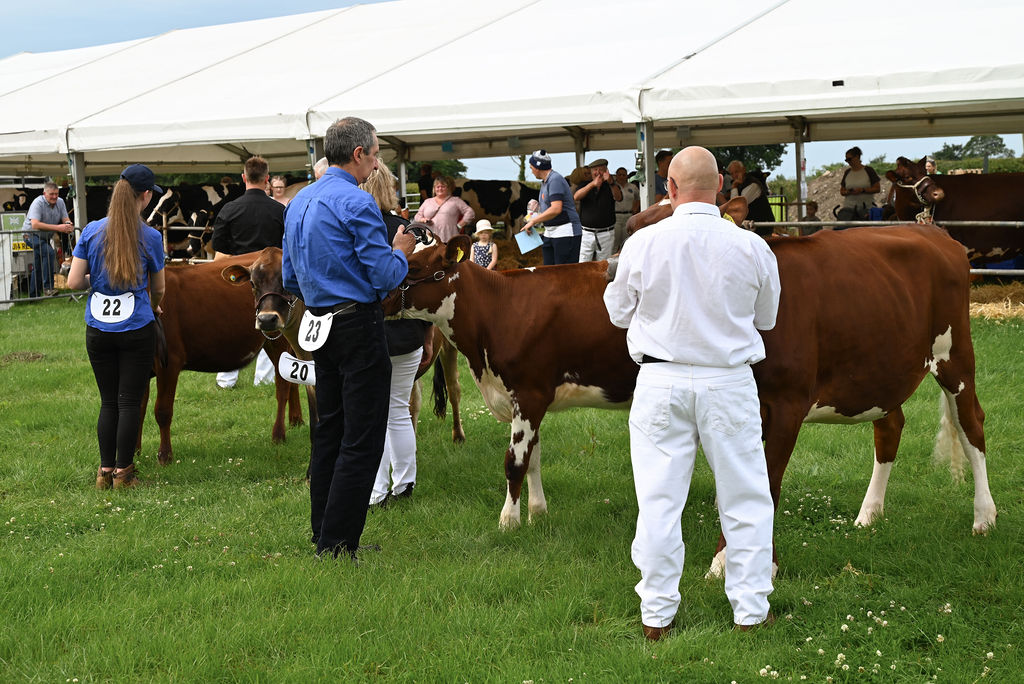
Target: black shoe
(380,505)
(405,493)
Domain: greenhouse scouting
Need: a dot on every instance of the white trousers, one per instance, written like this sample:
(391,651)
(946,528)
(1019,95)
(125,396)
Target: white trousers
(675,407)
(265,373)
(620,231)
(589,249)
(400,441)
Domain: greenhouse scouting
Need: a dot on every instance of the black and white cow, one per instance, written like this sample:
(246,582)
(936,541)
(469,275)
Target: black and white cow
(495,201)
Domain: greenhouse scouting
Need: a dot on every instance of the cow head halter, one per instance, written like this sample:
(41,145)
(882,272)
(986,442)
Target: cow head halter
(289,299)
(926,214)
(425,238)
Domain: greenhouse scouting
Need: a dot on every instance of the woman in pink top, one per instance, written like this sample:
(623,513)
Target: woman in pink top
(446,215)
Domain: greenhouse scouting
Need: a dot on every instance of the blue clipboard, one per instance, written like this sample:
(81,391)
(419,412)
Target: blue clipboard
(528,241)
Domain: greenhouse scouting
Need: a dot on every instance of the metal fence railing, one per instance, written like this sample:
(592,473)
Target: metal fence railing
(28,272)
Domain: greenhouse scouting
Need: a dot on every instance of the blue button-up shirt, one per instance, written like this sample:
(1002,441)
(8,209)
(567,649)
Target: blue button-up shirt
(336,245)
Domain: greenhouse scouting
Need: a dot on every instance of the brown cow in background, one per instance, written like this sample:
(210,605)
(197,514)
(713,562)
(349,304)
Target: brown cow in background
(207,325)
(967,197)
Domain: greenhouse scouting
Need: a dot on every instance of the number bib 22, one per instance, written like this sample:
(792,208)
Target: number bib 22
(107,308)
(313,331)
(296,370)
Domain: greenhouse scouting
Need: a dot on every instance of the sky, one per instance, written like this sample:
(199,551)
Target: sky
(65,24)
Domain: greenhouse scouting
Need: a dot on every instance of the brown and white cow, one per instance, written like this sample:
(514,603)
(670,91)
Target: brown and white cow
(967,197)
(280,313)
(864,316)
(207,325)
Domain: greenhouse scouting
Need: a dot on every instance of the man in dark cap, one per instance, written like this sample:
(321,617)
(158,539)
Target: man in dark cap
(597,212)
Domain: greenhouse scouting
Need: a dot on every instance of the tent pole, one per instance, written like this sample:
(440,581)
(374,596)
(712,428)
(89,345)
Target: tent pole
(801,175)
(645,162)
(316,150)
(76,164)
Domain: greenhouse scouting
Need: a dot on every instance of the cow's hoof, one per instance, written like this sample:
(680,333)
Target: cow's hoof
(458,437)
(295,422)
(508,523)
(984,526)
(164,458)
(277,439)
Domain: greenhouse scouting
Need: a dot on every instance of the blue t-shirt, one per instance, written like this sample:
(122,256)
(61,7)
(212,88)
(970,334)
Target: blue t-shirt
(660,185)
(151,249)
(336,245)
(555,188)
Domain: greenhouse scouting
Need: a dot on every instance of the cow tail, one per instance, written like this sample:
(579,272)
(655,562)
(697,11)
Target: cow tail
(440,389)
(947,442)
(161,342)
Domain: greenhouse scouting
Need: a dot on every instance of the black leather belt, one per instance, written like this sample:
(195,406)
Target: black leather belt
(340,309)
(623,212)
(599,230)
(651,359)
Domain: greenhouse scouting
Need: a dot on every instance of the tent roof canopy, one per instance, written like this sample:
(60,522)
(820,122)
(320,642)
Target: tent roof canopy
(498,78)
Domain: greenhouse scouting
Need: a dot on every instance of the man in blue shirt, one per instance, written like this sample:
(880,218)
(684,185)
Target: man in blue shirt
(337,259)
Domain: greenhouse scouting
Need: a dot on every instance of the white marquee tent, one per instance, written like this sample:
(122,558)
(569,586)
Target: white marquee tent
(464,78)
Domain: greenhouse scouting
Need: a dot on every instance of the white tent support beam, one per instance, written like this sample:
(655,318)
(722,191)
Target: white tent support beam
(579,138)
(401,157)
(645,152)
(76,165)
(800,129)
(315,147)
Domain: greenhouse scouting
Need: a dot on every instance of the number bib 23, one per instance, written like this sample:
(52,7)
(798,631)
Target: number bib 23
(107,308)
(296,370)
(313,330)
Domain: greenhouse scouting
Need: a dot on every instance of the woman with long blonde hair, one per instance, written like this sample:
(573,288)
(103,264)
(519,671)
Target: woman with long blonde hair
(121,260)
(396,475)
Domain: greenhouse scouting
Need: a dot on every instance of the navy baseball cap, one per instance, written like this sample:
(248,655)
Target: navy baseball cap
(141,178)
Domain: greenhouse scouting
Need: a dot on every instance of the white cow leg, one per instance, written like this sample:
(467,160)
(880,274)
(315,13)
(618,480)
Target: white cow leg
(538,505)
(509,513)
(874,499)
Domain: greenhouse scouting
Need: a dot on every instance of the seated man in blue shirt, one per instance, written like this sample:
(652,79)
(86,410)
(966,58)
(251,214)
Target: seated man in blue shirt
(336,257)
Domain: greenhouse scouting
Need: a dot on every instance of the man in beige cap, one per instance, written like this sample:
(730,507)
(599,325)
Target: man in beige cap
(597,212)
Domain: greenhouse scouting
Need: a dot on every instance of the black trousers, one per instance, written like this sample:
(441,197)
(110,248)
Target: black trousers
(561,250)
(121,362)
(353,386)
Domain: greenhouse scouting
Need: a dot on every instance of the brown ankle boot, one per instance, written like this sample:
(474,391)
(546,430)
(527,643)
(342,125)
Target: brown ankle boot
(127,478)
(104,480)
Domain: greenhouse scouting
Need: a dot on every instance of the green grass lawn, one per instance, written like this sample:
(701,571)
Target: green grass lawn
(207,574)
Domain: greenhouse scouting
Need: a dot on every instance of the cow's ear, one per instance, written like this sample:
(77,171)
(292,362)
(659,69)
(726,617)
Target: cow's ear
(902,161)
(891,175)
(458,249)
(235,274)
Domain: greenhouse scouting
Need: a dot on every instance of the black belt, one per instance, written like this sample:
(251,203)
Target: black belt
(599,230)
(651,359)
(624,212)
(341,308)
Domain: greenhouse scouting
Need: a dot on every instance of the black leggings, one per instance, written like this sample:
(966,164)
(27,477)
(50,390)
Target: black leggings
(121,362)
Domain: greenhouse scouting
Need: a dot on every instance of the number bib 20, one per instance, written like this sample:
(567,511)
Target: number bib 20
(107,308)
(296,370)
(313,330)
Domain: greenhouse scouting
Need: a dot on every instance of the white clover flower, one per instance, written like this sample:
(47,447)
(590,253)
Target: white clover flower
(940,638)
(845,628)
(990,655)
(821,651)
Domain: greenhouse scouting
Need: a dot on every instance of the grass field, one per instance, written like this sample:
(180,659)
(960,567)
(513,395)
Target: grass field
(207,574)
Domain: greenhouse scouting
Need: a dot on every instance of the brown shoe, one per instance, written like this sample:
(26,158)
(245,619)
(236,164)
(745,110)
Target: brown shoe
(767,622)
(655,633)
(104,480)
(127,478)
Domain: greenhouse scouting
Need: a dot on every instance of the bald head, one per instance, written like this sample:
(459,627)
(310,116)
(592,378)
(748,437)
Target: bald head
(694,174)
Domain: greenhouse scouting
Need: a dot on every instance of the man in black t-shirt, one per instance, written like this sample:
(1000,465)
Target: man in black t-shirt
(249,224)
(597,212)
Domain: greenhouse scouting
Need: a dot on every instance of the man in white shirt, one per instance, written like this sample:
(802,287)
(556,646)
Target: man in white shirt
(693,290)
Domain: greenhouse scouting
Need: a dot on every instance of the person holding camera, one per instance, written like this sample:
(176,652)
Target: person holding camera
(597,200)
